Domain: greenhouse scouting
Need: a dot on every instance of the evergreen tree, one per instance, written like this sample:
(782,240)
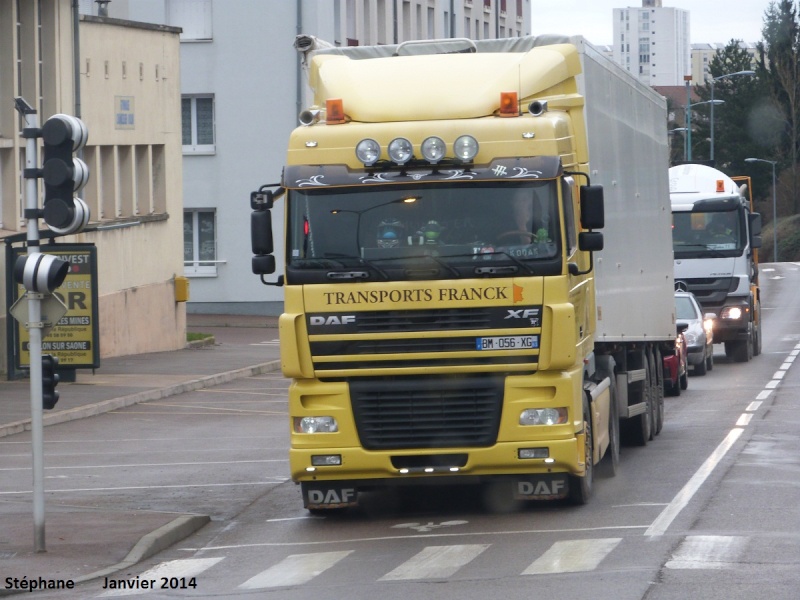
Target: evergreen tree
(779,68)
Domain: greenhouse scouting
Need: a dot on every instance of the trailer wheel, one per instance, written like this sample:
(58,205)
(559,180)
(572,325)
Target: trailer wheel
(658,387)
(580,488)
(638,429)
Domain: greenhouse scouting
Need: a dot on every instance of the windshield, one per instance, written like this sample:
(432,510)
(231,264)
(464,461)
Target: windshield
(423,231)
(707,234)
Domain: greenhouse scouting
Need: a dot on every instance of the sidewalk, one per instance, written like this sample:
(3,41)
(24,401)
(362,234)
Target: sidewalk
(85,544)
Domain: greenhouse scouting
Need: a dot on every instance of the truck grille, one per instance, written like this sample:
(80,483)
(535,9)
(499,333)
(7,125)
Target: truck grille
(338,338)
(427,412)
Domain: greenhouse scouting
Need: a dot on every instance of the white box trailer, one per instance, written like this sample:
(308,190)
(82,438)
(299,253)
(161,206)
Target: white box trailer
(626,126)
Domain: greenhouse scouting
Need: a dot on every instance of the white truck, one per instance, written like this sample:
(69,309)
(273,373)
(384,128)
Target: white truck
(450,314)
(715,240)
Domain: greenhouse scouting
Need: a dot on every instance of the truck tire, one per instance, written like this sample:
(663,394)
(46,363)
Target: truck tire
(658,388)
(741,351)
(638,429)
(757,331)
(580,488)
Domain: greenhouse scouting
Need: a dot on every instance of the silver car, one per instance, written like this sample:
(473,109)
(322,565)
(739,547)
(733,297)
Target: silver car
(699,340)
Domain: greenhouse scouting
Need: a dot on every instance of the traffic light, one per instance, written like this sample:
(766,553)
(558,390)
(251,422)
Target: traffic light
(41,273)
(49,381)
(64,174)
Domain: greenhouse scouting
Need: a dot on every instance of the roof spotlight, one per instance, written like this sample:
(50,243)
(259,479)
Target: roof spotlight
(400,151)
(465,148)
(433,149)
(368,151)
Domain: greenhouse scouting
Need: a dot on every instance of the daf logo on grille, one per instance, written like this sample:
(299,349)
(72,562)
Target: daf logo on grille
(333,320)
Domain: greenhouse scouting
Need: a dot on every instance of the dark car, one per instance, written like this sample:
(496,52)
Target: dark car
(676,366)
(698,332)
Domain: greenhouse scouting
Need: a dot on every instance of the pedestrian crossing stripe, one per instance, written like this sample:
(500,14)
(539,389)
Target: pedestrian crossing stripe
(573,556)
(441,562)
(295,570)
(435,562)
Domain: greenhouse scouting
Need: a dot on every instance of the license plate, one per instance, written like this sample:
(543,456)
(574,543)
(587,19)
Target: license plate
(507,342)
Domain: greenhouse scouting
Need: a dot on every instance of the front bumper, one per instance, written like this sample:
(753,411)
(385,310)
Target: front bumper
(500,459)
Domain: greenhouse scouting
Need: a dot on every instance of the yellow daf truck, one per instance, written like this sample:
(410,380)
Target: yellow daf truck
(478,274)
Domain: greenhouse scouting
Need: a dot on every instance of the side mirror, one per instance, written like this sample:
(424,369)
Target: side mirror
(755,223)
(591,241)
(682,327)
(261,232)
(592,207)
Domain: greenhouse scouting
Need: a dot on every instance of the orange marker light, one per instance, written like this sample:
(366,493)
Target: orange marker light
(509,105)
(720,185)
(334,111)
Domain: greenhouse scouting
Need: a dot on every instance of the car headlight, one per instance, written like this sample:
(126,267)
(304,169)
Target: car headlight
(315,425)
(543,416)
(691,338)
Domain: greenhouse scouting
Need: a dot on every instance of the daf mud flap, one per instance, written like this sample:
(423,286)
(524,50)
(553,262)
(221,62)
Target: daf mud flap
(329,494)
(551,486)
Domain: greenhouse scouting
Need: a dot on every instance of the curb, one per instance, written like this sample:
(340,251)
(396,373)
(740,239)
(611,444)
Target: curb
(90,410)
(153,543)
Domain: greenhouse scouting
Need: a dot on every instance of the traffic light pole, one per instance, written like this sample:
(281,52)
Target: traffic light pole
(34,321)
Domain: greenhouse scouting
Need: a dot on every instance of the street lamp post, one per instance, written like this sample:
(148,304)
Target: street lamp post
(774,205)
(688,109)
(712,81)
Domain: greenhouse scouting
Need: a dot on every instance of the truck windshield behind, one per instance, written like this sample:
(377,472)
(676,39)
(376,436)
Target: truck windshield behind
(423,231)
(708,234)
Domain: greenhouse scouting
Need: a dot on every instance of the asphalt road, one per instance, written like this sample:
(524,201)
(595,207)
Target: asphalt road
(709,509)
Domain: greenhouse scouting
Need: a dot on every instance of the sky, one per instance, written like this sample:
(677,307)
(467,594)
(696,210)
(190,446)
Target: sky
(710,21)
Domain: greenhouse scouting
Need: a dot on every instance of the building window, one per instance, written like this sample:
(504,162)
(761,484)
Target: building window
(199,243)
(193,16)
(197,124)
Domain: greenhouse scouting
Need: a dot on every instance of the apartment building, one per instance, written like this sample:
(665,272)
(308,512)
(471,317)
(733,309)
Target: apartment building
(242,89)
(652,42)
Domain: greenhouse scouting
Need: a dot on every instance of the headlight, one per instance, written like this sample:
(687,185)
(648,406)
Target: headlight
(708,326)
(433,149)
(732,312)
(691,338)
(465,148)
(315,425)
(368,152)
(400,151)
(543,416)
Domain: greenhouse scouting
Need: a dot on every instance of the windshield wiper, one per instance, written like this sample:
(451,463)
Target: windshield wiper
(356,274)
(515,260)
